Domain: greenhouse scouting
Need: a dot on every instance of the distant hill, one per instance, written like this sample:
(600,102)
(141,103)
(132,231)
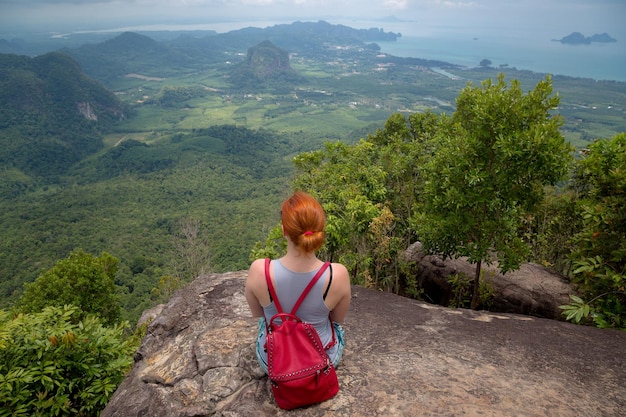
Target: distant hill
(313,36)
(127,53)
(577,38)
(135,53)
(51,114)
(265,63)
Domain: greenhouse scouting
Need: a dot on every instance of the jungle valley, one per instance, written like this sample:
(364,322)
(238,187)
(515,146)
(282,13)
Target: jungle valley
(136,144)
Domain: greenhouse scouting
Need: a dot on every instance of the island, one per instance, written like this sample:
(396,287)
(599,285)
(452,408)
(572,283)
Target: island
(577,38)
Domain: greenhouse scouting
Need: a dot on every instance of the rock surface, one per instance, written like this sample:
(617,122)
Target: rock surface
(403,358)
(531,290)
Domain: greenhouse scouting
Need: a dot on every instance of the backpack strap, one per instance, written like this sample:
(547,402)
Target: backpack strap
(317,276)
(270,286)
(272,290)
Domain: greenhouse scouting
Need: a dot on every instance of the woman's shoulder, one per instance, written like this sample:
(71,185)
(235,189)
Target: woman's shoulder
(339,268)
(340,272)
(257,269)
(258,263)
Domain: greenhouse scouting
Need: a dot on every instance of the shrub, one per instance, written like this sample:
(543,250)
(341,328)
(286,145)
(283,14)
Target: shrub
(52,364)
(600,253)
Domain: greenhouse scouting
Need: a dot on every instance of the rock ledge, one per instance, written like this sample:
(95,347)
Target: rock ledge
(403,358)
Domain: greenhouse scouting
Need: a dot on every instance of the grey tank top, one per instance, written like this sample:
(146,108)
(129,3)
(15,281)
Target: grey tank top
(289,285)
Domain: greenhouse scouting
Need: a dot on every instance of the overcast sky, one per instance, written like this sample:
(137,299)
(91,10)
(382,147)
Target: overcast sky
(564,16)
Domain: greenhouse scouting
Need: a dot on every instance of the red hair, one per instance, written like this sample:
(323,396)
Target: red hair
(304,221)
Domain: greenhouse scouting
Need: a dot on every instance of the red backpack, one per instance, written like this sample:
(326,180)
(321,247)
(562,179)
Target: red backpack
(299,369)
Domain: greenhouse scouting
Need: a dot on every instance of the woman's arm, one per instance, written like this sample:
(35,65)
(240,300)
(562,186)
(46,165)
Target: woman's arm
(255,284)
(338,299)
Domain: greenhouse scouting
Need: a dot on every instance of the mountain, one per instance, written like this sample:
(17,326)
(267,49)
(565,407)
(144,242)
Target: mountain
(51,114)
(265,63)
(127,53)
(603,37)
(130,53)
(310,36)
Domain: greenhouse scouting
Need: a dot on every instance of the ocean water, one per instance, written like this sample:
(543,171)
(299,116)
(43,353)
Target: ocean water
(526,46)
(600,61)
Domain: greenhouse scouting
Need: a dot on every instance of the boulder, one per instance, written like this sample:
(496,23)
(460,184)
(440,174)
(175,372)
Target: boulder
(531,290)
(403,358)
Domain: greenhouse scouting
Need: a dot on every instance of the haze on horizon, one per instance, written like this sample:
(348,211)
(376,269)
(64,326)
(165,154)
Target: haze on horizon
(519,17)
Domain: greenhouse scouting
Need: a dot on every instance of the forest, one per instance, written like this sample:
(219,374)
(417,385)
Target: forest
(133,165)
(179,139)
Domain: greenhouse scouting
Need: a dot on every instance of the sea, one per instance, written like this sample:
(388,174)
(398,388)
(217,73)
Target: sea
(534,50)
(599,61)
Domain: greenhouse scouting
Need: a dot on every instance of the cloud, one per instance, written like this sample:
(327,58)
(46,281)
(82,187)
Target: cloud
(448,4)
(56,2)
(396,4)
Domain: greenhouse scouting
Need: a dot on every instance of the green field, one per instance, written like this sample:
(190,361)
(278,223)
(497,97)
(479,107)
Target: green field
(343,97)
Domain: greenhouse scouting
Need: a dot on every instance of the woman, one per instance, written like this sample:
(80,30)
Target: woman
(303,222)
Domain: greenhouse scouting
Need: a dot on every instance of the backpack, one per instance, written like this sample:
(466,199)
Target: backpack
(299,369)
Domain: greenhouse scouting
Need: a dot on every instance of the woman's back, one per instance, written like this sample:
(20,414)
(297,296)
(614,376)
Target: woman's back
(289,285)
(303,222)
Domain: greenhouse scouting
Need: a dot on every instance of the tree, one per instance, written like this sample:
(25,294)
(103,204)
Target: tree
(369,191)
(500,148)
(192,257)
(82,280)
(600,247)
(351,189)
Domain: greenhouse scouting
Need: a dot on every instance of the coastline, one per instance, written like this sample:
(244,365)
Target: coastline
(539,53)
(601,62)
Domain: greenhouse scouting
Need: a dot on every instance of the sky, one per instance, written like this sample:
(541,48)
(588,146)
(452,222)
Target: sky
(523,17)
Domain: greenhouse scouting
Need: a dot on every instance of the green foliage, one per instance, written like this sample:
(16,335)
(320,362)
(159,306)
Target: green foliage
(600,253)
(166,287)
(488,171)
(176,97)
(350,192)
(82,280)
(60,363)
(462,291)
(577,310)
(126,202)
(551,229)
(368,191)
(275,245)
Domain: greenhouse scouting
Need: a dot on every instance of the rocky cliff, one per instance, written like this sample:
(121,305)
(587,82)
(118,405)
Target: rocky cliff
(265,64)
(403,358)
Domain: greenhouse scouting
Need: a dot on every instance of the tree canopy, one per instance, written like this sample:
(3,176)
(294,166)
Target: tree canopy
(488,171)
(462,184)
(82,280)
